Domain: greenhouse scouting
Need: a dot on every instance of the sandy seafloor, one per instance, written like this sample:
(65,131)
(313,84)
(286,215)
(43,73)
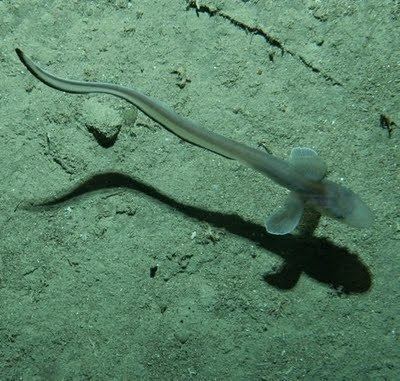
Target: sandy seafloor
(153,262)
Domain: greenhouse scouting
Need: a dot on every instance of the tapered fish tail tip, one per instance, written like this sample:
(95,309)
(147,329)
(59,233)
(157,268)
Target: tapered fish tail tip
(20,53)
(27,62)
(21,56)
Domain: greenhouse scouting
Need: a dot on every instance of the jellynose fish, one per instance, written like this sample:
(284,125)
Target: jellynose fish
(303,174)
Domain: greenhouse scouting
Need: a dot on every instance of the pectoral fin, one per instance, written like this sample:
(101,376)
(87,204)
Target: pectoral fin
(286,219)
(307,162)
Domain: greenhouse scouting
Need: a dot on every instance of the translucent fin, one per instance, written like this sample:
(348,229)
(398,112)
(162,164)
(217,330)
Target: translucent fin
(306,161)
(285,220)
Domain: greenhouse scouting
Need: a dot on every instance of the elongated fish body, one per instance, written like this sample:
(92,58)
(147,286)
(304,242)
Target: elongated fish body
(303,174)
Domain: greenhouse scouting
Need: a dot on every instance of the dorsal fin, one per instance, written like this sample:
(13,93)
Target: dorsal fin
(307,162)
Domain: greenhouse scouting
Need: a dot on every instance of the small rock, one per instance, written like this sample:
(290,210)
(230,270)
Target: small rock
(102,121)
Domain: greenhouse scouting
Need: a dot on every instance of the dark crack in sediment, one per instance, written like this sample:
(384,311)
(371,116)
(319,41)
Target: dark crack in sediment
(254,30)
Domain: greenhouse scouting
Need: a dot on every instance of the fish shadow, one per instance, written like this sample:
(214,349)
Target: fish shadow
(317,257)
